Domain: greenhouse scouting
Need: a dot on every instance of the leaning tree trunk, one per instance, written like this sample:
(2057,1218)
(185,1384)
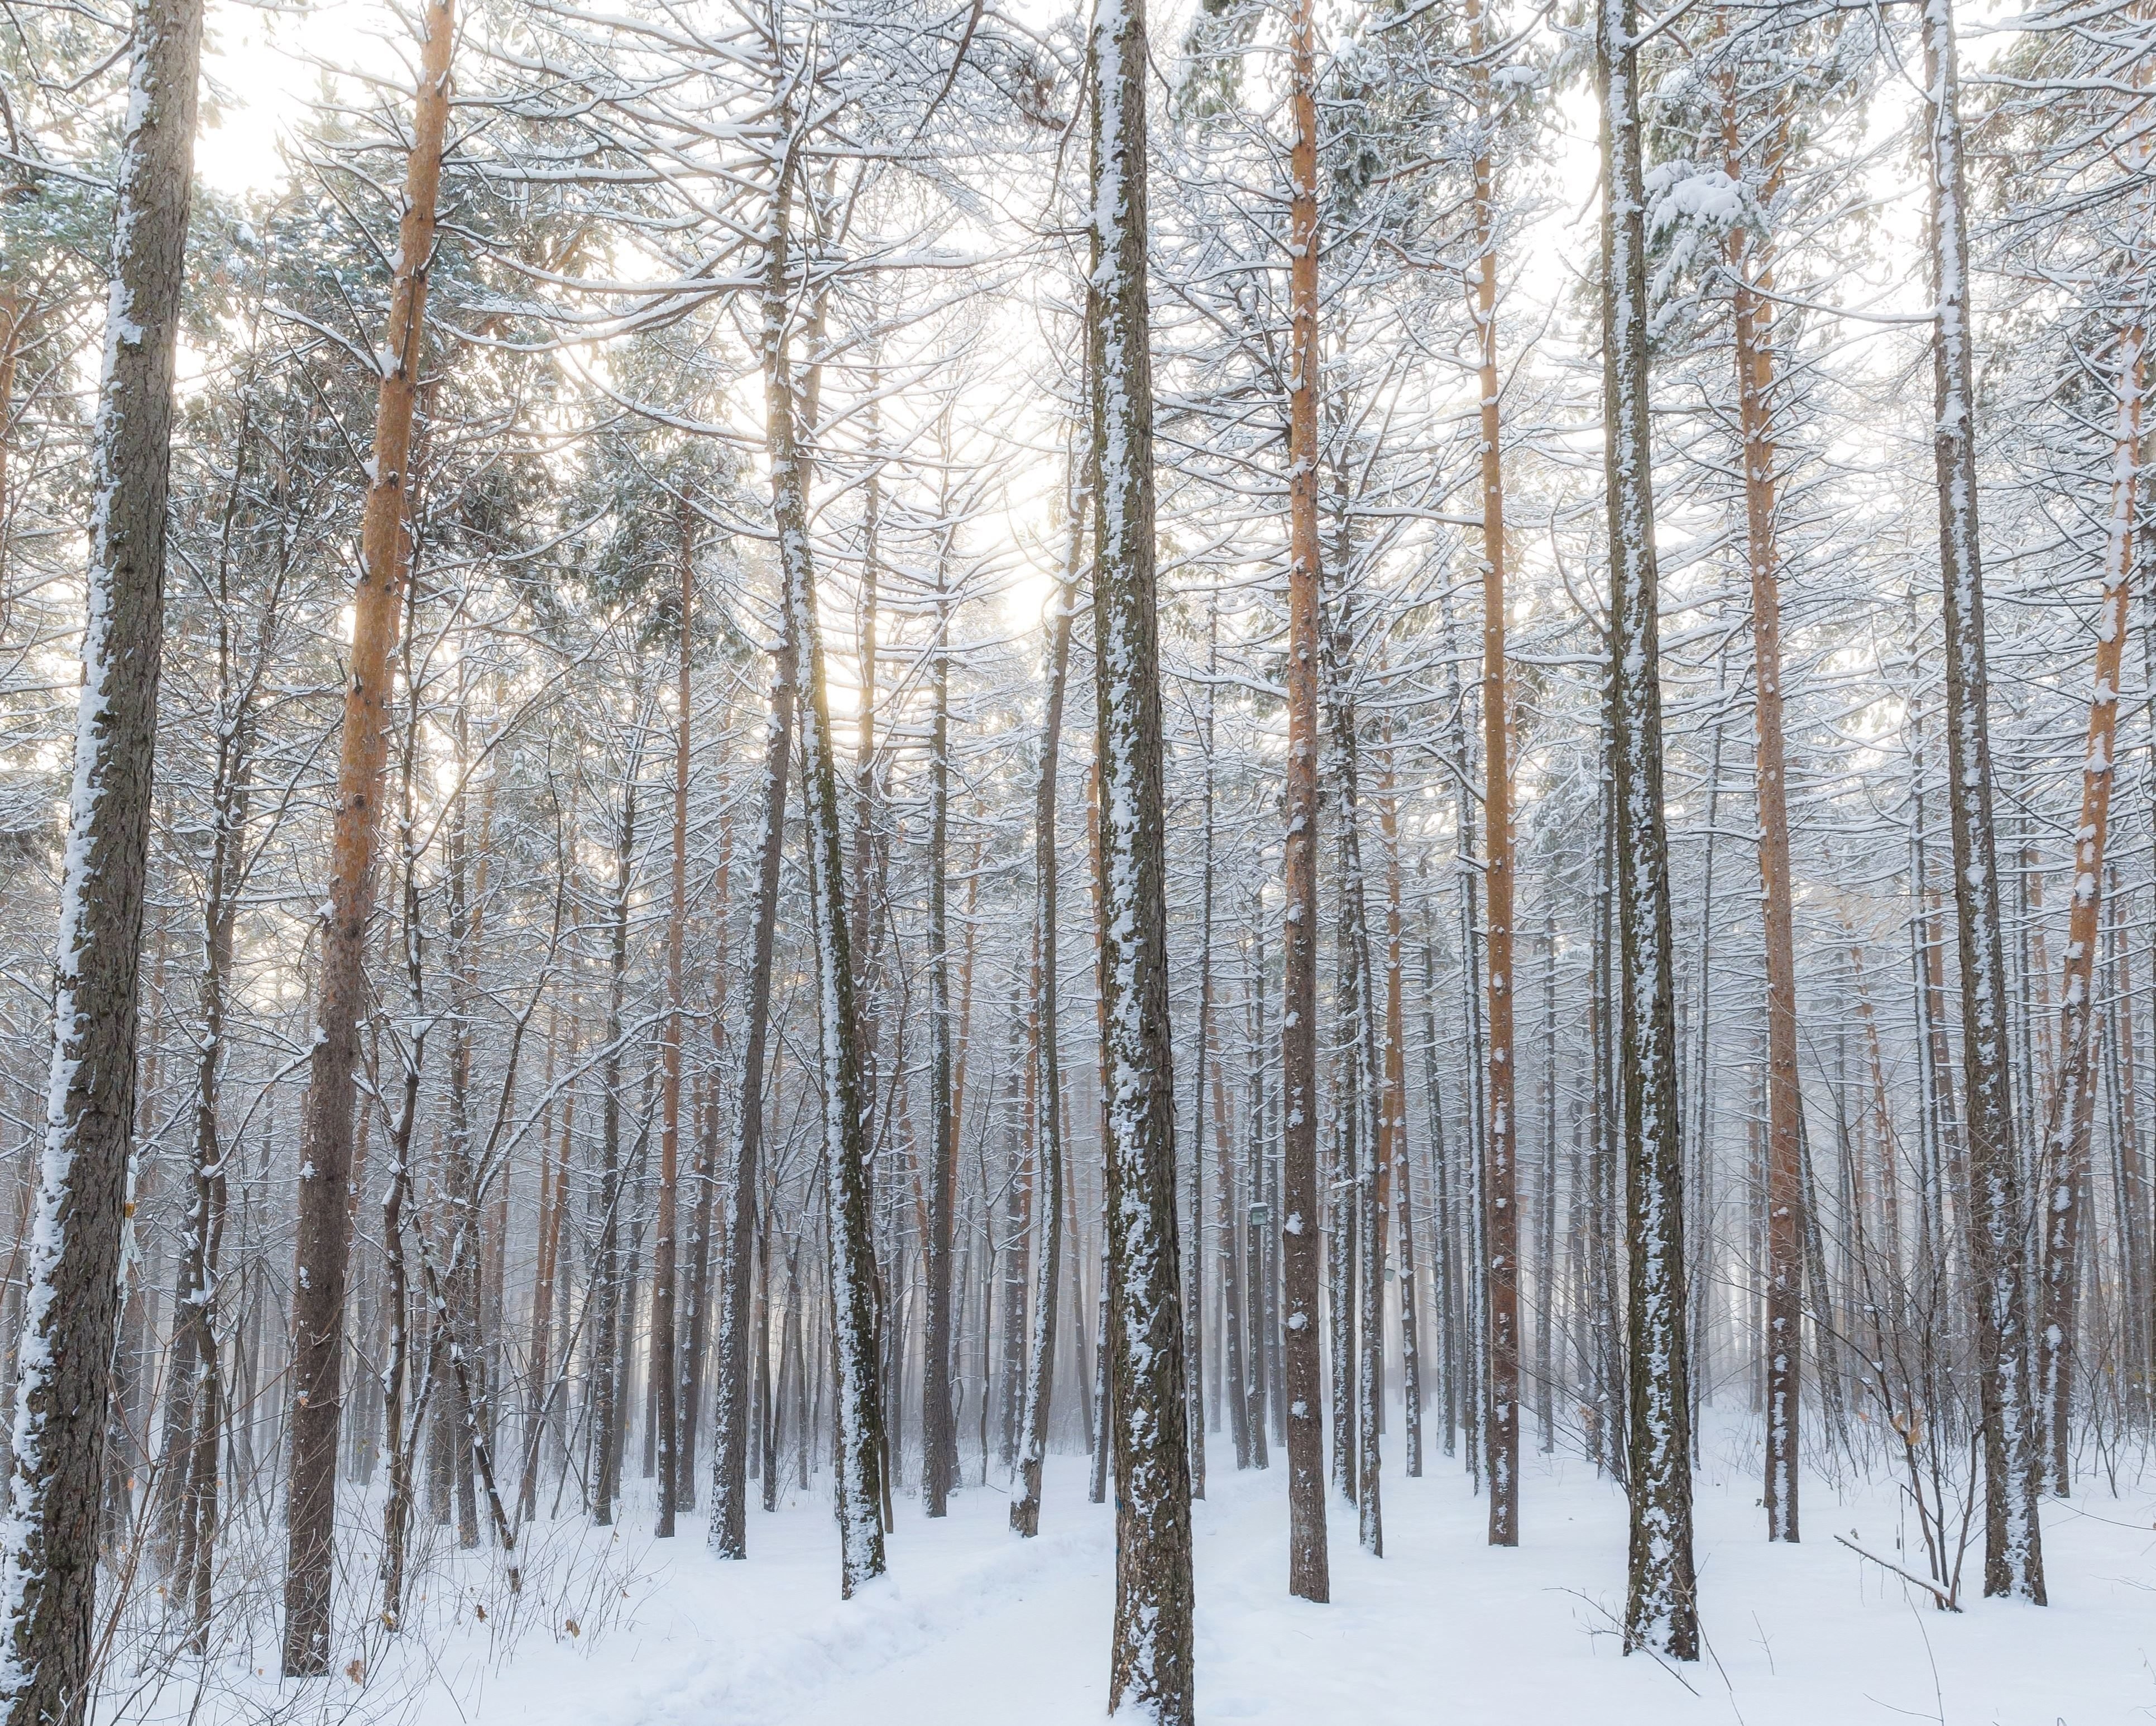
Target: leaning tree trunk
(1661,1612)
(1151,1661)
(858,1445)
(1302,1373)
(325,1219)
(2073,1104)
(48,1570)
(2013,1547)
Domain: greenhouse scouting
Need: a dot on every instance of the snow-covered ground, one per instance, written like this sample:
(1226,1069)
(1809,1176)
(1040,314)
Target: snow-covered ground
(975,1627)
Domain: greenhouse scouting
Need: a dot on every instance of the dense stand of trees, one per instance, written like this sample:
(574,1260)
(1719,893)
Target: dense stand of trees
(745,749)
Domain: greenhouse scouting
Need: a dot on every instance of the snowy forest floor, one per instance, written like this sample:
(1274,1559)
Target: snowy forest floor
(975,1627)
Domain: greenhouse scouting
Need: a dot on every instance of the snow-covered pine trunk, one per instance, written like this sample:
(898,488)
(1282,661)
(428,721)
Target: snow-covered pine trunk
(1752,314)
(2013,1546)
(322,1252)
(730,1415)
(858,1403)
(1150,1672)
(1052,1176)
(2065,1169)
(665,1250)
(939,1428)
(1501,1215)
(1302,1366)
(1660,1611)
(72,1270)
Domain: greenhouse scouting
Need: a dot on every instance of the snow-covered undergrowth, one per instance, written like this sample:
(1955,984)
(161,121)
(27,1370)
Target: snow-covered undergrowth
(975,1627)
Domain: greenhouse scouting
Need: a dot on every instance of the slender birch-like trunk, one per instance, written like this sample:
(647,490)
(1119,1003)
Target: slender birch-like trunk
(324,1245)
(2013,1546)
(1661,1612)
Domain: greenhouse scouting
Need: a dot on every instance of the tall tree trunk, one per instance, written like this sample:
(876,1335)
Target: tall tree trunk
(2073,1104)
(48,1570)
(190,1368)
(187,1530)
(1393,1122)
(1752,314)
(730,1415)
(1052,1176)
(1501,1215)
(1446,1268)
(2013,1546)
(939,1427)
(612,1286)
(459,1180)
(1546,1301)
(705,1175)
(1359,1327)
(858,1449)
(1259,1262)
(1660,1611)
(1151,1661)
(544,1384)
(1308,1571)
(665,1359)
(325,1224)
